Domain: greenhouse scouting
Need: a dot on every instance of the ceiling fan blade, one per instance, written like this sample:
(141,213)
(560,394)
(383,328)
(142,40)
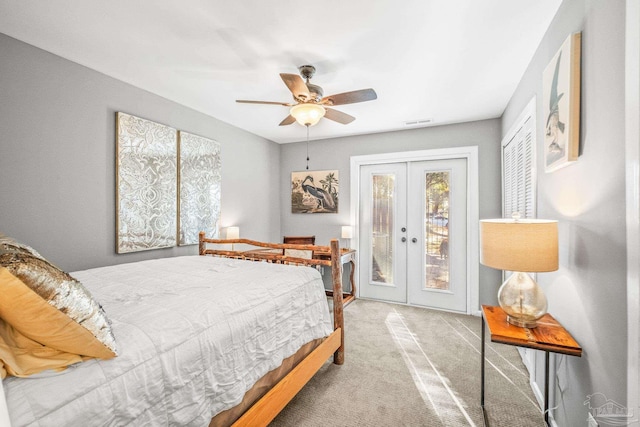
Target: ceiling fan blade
(288,120)
(350,97)
(244,101)
(296,85)
(338,116)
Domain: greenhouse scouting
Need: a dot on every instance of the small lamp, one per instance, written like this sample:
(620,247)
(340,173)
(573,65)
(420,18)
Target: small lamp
(307,114)
(233,233)
(521,246)
(347,233)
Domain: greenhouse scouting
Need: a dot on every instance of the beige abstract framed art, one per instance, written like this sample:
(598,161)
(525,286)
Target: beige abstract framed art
(146,184)
(200,181)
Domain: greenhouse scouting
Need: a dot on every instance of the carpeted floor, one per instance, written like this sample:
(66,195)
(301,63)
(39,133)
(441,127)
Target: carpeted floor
(409,366)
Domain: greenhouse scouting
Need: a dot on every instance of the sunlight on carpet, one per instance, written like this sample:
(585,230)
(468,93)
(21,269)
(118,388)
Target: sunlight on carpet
(411,366)
(432,385)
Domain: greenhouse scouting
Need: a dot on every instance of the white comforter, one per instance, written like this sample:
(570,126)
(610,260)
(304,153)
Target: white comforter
(194,334)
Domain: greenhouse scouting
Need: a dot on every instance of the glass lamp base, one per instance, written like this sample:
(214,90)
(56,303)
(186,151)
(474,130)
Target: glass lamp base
(523,300)
(521,322)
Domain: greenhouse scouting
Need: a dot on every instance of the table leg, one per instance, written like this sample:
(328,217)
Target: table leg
(484,412)
(351,278)
(546,387)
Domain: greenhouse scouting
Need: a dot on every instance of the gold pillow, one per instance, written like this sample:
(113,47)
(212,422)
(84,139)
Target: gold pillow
(23,357)
(48,306)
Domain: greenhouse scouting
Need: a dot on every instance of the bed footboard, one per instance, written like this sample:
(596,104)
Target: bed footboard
(274,253)
(263,411)
(269,406)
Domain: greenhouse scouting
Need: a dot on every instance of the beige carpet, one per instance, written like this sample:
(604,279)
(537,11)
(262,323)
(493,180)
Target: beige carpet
(409,366)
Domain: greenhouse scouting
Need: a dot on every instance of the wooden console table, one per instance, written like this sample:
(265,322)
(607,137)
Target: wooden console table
(549,336)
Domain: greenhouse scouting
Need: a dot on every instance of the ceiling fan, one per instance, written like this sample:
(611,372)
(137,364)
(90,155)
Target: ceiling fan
(310,105)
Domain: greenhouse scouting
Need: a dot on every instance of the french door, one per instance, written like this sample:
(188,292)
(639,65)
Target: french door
(413,233)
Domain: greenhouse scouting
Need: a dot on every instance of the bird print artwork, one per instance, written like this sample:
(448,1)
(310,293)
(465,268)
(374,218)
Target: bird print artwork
(314,192)
(561,106)
(554,129)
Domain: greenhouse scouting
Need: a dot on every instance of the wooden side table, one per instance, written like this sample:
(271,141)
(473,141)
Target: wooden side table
(346,256)
(549,336)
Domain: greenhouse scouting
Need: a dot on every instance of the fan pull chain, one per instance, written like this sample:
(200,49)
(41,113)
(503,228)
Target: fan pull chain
(307,147)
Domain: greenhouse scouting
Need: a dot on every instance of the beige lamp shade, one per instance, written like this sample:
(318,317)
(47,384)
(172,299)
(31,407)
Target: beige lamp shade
(527,245)
(347,232)
(233,232)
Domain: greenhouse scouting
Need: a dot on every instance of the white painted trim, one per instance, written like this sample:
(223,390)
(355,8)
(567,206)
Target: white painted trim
(537,393)
(528,111)
(632,166)
(471,154)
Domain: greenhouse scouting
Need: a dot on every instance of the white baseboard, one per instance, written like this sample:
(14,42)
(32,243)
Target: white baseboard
(537,393)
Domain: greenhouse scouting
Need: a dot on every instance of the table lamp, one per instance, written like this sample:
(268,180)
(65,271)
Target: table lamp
(233,232)
(522,246)
(347,233)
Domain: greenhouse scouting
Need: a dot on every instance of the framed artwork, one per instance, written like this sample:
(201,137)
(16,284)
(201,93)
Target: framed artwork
(314,191)
(561,105)
(199,176)
(146,184)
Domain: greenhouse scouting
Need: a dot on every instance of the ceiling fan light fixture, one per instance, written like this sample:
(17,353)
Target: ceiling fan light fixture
(307,114)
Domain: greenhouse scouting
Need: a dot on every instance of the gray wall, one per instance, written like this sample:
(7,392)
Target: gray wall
(336,154)
(57,159)
(588,293)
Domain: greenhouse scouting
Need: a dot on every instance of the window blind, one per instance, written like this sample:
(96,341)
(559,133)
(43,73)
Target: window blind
(518,167)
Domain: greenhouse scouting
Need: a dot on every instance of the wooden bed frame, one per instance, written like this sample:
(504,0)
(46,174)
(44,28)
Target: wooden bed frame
(269,406)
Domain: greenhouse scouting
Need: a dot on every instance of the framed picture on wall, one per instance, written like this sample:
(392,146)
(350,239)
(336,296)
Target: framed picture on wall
(199,176)
(146,184)
(314,191)
(561,105)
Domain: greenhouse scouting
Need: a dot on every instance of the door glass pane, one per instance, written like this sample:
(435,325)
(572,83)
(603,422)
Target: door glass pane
(383,187)
(437,230)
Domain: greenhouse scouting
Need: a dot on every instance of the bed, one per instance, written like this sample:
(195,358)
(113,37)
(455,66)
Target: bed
(210,339)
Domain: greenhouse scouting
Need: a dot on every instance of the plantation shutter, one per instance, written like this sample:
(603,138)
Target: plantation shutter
(518,166)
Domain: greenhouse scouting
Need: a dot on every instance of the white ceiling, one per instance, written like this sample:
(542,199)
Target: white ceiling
(444,60)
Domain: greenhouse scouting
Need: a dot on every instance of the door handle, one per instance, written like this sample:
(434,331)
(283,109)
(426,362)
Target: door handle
(404,239)
(414,240)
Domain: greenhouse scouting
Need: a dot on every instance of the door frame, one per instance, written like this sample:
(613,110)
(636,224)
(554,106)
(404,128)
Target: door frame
(470,153)
(632,161)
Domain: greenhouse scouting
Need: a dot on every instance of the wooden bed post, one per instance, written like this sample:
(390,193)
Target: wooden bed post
(338,317)
(201,244)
